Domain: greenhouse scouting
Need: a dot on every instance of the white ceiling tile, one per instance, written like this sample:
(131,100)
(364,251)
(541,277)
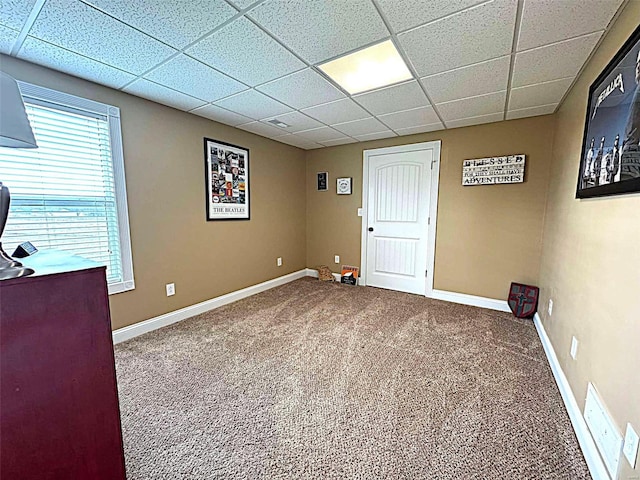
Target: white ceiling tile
(465,122)
(472,36)
(361,127)
(393,99)
(339,141)
(473,106)
(411,13)
(42,53)
(14,13)
(262,129)
(539,94)
(8,37)
(189,76)
(340,111)
(296,121)
(243,51)
(213,112)
(158,93)
(302,89)
(478,79)
(540,64)
(531,112)
(410,118)
(297,141)
(549,21)
(321,134)
(253,104)
(242,4)
(321,29)
(420,129)
(176,22)
(376,136)
(84,30)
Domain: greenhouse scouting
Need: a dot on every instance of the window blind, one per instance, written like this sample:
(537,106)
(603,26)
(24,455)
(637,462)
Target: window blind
(63,193)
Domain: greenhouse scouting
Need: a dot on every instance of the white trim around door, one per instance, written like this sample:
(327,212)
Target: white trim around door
(433,205)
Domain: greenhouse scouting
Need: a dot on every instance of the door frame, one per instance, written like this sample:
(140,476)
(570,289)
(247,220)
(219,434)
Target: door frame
(433,205)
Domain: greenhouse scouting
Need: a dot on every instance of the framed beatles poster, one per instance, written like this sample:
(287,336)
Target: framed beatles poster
(610,161)
(227,180)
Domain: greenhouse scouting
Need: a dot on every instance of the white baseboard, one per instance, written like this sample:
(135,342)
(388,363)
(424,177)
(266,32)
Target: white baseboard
(126,333)
(589,450)
(473,300)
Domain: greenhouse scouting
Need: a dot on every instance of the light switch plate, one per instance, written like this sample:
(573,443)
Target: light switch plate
(574,347)
(630,448)
(360,212)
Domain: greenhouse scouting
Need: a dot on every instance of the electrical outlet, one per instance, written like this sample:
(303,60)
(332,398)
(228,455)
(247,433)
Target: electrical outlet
(630,448)
(279,261)
(337,259)
(574,347)
(171,289)
(550,307)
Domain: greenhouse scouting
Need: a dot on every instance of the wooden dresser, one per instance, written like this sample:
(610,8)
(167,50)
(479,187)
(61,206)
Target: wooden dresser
(59,413)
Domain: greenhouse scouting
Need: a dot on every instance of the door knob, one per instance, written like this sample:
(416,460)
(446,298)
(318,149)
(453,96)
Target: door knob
(371,229)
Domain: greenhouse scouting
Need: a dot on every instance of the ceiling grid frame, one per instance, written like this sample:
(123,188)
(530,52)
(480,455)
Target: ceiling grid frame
(388,111)
(182,51)
(584,65)
(24,32)
(407,61)
(315,69)
(437,19)
(512,59)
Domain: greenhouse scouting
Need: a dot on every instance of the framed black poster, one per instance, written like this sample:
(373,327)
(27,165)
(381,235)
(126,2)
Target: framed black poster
(610,161)
(227,180)
(323,181)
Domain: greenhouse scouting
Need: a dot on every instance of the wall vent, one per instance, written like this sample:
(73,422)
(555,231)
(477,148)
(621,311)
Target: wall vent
(603,430)
(278,123)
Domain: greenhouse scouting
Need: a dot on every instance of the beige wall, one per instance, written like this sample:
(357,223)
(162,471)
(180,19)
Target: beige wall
(587,260)
(591,263)
(171,240)
(486,237)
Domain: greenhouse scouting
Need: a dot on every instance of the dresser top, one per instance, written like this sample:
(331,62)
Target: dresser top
(50,262)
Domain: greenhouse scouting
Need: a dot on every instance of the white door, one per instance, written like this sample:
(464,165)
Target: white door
(397,222)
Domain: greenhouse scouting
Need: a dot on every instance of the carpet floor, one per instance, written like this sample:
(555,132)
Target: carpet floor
(322,380)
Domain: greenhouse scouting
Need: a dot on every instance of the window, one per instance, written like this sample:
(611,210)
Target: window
(69,193)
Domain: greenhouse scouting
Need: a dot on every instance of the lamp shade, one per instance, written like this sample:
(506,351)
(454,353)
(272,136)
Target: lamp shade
(15,130)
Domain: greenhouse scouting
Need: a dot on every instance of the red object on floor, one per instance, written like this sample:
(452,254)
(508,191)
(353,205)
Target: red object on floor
(59,412)
(523,300)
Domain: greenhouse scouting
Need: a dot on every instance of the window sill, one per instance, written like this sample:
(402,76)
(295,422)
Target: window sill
(120,287)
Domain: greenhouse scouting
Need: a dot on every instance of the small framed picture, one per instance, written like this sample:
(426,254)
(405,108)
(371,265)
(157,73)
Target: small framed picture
(323,181)
(343,186)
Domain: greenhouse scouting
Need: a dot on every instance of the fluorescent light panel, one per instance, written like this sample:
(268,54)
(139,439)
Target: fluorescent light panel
(373,67)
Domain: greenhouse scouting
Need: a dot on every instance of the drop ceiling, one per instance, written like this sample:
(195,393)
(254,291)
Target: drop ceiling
(245,63)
